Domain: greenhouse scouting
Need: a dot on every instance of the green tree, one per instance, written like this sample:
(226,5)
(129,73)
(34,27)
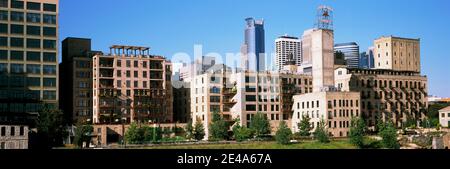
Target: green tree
(151,134)
(199,130)
(241,133)
(321,133)
(357,131)
(284,134)
(305,127)
(134,134)
(50,127)
(260,125)
(389,135)
(218,128)
(82,134)
(189,130)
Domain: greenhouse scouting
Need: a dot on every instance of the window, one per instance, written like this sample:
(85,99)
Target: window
(49,57)
(33,6)
(3,15)
(33,82)
(34,69)
(17,4)
(16,55)
(128,63)
(13,131)
(49,95)
(128,73)
(3,67)
(34,30)
(16,68)
(49,44)
(4,3)
(17,29)
(250,98)
(128,83)
(119,63)
(33,56)
(144,74)
(144,84)
(4,41)
(135,73)
(4,28)
(16,42)
(136,64)
(250,107)
(215,99)
(215,90)
(3,132)
(21,131)
(50,19)
(250,79)
(49,31)
(144,64)
(50,7)
(49,70)
(49,82)
(33,43)
(3,55)
(34,17)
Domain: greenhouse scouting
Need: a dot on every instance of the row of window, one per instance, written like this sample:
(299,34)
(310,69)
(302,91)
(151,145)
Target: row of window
(30,56)
(30,30)
(30,17)
(12,131)
(30,94)
(342,103)
(153,64)
(28,82)
(443,115)
(36,6)
(30,68)
(390,83)
(30,43)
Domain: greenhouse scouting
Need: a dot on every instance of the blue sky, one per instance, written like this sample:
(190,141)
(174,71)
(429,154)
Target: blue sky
(172,26)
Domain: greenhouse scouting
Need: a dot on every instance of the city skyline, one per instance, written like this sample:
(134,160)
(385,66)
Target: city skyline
(170,32)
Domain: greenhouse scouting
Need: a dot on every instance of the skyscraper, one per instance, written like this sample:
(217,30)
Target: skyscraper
(287,46)
(366,59)
(253,49)
(351,53)
(28,57)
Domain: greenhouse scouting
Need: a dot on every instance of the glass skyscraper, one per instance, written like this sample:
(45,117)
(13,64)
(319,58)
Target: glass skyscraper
(351,53)
(254,45)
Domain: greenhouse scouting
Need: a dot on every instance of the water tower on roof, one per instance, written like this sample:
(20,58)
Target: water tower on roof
(324,18)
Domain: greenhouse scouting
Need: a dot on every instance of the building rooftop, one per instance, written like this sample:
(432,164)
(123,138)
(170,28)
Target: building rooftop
(445,109)
(129,47)
(346,44)
(395,37)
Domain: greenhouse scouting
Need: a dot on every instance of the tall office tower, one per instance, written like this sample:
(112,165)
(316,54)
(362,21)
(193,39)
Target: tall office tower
(397,53)
(253,49)
(76,79)
(351,53)
(130,85)
(28,57)
(287,46)
(366,60)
